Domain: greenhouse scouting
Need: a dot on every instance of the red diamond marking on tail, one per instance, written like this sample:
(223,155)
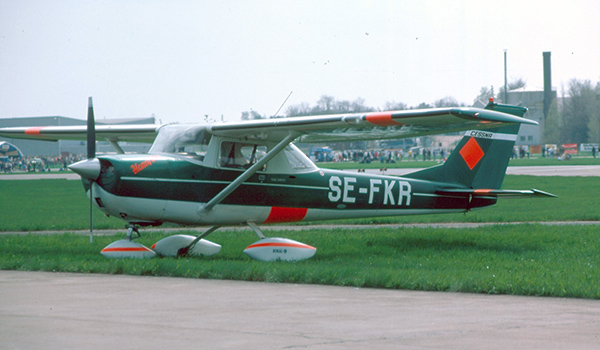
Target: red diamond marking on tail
(471,153)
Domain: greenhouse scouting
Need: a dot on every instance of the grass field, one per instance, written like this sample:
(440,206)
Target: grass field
(524,259)
(520,259)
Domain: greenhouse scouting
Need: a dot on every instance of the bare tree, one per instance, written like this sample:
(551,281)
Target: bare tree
(447,101)
(249,115)
(298,110)
(513,85)
(485,94)
(395,106)
(579,108)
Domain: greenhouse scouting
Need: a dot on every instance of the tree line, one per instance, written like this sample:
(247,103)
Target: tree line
(577,118)
(330,105)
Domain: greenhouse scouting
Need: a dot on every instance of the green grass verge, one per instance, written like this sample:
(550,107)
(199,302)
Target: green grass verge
(526,259)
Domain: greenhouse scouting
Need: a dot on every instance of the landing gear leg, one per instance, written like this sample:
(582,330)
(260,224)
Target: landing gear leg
(131,229)
(186,245)
(256,229)
(184,251)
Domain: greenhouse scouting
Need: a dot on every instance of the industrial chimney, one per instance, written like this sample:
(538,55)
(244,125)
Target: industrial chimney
(548,96)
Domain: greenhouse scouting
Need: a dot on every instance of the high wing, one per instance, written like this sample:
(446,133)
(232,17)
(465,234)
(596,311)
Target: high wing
(131,133)
(339,127)
(370,126)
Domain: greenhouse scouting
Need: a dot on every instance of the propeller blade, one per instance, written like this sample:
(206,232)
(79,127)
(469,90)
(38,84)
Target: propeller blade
(91,131)
(91,154)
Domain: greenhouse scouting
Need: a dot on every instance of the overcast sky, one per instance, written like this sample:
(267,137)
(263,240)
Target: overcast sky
(181,60)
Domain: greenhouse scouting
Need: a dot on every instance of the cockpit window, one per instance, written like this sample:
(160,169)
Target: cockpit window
(240,155)
(187,140)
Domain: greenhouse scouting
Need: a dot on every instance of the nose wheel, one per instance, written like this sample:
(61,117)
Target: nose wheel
(127,248)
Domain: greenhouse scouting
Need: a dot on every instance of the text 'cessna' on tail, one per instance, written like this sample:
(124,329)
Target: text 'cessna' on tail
(249,172)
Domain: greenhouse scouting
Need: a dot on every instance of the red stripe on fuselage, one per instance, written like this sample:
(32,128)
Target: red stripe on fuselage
(35,131)
(382,119)
(282,214)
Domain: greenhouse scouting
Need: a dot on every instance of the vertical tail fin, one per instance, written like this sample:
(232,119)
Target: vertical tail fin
(481,158)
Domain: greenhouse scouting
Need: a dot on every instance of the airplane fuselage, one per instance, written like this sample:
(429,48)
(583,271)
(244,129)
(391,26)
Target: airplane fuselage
(151,189)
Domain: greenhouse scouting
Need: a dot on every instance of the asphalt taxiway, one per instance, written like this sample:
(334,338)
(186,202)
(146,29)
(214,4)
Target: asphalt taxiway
(42,310)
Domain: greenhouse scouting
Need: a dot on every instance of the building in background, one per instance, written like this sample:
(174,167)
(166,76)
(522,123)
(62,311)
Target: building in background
(534,101)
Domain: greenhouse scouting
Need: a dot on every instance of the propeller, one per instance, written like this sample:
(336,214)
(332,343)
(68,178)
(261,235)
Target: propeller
(91,154)
(89,169)
(91,131)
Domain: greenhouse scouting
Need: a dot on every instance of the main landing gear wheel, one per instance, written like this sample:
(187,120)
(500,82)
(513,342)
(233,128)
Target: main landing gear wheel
(277,248)
(186,245)
(182,245)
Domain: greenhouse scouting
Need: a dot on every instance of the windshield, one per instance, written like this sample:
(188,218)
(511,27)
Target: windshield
(187,140)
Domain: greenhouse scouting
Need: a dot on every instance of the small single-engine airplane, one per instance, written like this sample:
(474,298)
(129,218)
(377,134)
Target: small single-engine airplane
(249,172)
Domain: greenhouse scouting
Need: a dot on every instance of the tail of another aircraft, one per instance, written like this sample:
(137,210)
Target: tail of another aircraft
(481,158)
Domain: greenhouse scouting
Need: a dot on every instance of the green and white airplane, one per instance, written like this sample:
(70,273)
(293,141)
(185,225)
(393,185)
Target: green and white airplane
(249,172)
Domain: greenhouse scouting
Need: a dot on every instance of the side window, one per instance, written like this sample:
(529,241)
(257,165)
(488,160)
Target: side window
(240,155)
(297,160)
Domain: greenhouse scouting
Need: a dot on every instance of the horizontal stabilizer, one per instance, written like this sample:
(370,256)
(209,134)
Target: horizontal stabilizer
(495,193)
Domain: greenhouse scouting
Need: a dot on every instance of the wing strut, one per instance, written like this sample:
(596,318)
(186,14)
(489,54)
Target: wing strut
(116,146)
(249,172)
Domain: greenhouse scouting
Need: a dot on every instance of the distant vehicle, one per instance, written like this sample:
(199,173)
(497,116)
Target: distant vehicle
(321,154)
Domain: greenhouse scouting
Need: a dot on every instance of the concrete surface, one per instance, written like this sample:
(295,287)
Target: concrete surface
(40,310)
